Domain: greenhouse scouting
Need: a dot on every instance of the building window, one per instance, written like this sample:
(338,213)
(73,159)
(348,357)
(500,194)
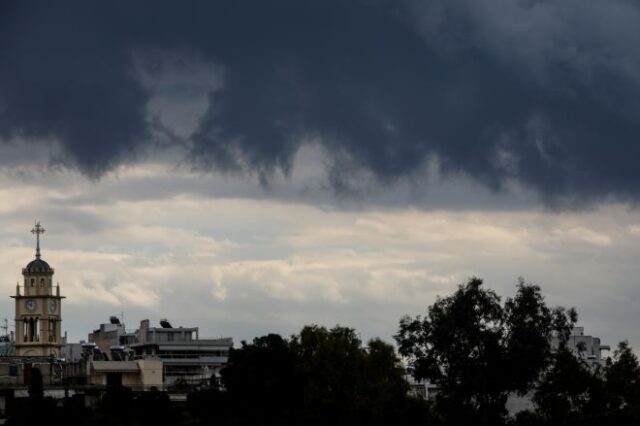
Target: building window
(52,330)
(33,281)
(32,329)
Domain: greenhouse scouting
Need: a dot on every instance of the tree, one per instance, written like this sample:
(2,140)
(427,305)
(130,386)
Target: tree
(341,380)
(622,383)
(318,376)
(260,383)
(478,351)
(565,389)
(261,368)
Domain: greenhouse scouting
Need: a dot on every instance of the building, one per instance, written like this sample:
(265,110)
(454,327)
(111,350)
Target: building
(185,358)
(139,375)
(588,348)
(420,388)
(38,308)
(71,352)
(108,335)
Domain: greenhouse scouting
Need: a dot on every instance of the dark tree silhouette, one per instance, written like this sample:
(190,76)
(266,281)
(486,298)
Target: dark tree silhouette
(319,376)
(622,385)
(260,383)
(564,390)
(342,381)
(478,351)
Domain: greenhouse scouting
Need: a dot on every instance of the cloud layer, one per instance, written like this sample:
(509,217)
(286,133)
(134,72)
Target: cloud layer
(244,266)
(541,93)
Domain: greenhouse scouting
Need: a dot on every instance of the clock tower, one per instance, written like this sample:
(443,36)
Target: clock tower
(38,308)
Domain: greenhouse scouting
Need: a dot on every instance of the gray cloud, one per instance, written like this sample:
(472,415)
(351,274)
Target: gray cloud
(543,93)
(241,266)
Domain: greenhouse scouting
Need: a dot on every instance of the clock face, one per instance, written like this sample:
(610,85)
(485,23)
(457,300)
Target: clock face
(31,305)
(53,305)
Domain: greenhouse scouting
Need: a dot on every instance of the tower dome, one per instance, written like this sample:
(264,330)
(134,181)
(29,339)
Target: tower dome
(38,266)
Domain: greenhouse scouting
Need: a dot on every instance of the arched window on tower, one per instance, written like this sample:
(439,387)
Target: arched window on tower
(32,330)
(25,330)
(37,327)
(33,281)
(52,330)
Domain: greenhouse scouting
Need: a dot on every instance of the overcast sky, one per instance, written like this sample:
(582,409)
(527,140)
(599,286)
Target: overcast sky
(254,166)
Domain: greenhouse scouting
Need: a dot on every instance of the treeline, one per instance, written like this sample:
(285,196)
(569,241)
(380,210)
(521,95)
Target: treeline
(475,348)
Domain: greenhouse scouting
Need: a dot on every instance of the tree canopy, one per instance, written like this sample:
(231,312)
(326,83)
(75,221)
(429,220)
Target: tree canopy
(478,350)
(318,376)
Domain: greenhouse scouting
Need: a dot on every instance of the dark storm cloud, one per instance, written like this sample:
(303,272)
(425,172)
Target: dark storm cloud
(541,92)
(66,75)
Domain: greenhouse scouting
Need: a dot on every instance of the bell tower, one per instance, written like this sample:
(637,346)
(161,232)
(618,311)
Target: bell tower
(38,307)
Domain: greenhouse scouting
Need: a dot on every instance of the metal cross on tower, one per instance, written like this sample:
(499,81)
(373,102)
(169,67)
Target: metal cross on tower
(37,230)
